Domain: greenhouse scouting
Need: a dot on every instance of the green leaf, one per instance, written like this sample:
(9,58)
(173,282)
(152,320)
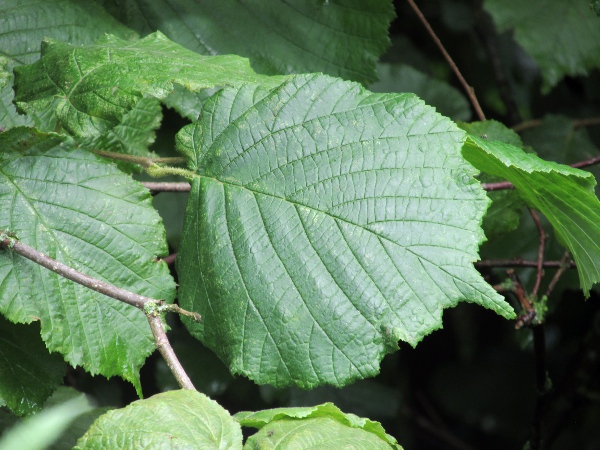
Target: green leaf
(562,36)
(325,224)
(26,22)
(322,426)
(92,88)
(41,430)
(402,78)
(563,194)
(504,214)
(175,419)
(339,37)
(82,211)
(28,373)
(9,117)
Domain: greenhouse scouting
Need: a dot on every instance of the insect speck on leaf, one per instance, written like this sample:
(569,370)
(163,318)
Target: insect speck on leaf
(484,136)
(270,433)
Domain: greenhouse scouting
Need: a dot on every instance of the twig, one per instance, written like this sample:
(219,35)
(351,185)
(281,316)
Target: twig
(563,266)
(170,259)
(540,262)
(518,262)
(164,347)
(468,89)
(151,307)
(143,161)
(167,186)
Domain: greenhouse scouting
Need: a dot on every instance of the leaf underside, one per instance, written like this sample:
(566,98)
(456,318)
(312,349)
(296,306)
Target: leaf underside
(82,211)
(563,194)
(325,224)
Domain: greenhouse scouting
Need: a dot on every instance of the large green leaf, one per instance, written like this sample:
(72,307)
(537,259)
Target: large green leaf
(339,37)
(563,194)
(562,36)
(26,22)
(175,419)
(324,426)
(325,224)
(28,373)
(92,88)
(82,211)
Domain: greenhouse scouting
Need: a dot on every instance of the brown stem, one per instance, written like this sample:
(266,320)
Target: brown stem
(167,186)
(577,123)
(164,347)
(564,265)
(523,263)
(468,89)
(151,307)
(540,262)
(170,259)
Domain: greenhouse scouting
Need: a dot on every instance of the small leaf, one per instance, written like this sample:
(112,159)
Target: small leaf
(562,36)
(322,426)
(92,88)
(28,373)
(174,419)
(339,37)
(325,224)
(563,194)
(82,211)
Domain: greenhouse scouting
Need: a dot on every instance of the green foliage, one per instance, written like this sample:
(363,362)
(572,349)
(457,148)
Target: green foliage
(325,222)
(311,211)
(562,36)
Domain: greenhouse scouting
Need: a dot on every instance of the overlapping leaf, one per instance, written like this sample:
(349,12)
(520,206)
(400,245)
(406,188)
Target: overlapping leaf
(562,36)
(338,37)
(28,373)
(92,88)
(325,424)
(175,419)
(325,224)
(563,194)
(82,211)
(25,23)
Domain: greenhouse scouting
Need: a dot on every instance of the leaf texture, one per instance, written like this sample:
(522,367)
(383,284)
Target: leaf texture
(84,212)
(325,224)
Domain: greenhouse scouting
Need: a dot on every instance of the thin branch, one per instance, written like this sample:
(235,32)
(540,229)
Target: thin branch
(164,347)
(468,89)
(586,163)
(167,186)
(170,259)
(540,262)
(563,267)
(152,308)
(518,262)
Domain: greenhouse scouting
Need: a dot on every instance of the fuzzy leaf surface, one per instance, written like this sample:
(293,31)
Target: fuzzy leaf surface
(562,36)
(91,88)
(82,211)
(325,223)
(339,37)
(175,419)
(563,194)
(28,373)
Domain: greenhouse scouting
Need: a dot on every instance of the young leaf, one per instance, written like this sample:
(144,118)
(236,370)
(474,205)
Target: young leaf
(82,211)
(175,419)
(92,88)
(562,36)
(563,194)
(325,224)
(28,373)
(321,426)
(339,37)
